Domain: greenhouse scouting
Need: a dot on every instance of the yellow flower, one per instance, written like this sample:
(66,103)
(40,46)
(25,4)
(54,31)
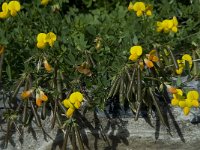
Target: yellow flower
(148,10)
(175,24)
(130,6)
(26,94)
(69,112)
(47,66)
(41,40)
(74,102)
(192,98)
(177,97)
(51,38)
(148,63)
(186,110)
(180,67)
(168,25)
(139,8)
(136,52)
(44,2)
(5,13)
(76,96)
(14,7)
(67,103)
(188,58)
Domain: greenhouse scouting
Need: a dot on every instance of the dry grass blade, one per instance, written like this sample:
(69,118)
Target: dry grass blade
(37,118)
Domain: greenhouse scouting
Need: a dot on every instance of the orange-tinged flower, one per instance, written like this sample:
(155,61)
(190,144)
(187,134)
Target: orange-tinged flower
(171,89)
(47,66)
(26,94)
(38,102)
(148,63)
(40,97)
(130,7)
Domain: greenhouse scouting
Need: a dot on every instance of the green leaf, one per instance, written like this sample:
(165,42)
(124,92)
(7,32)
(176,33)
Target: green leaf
(8,71)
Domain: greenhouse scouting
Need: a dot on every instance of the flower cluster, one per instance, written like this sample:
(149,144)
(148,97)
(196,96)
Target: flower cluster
(181,63)
(10,8)
(72,103)
(43,39)
(191,100)
(44,2)
(168,25)
(40,97)
(151,57)
(136,52)
(140,8)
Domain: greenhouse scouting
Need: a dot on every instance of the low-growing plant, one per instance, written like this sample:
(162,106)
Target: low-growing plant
(65,61)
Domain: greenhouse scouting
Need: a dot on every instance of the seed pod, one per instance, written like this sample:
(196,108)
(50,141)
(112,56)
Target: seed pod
(73,139)
(121,90)
(37,118)
(113,87)
(24,115)
(117,87)
(130,87)
(139,84)
(43,112)
(61,107)
(53,120)
(68,130)
(80,141)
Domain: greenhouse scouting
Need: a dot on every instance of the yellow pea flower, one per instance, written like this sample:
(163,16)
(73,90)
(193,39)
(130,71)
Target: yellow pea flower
(135,51)
(148,10)
(26,94)
(168,25)
(69,112)
(5,12)
(139,8)
(188,58)
(177,97)
(192,98)
(41,40)
(51,38)
(182,103)
(67,103)
(76,96)
(44,2)
(14,7)
(186,111)
(175,24)
(180,67)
